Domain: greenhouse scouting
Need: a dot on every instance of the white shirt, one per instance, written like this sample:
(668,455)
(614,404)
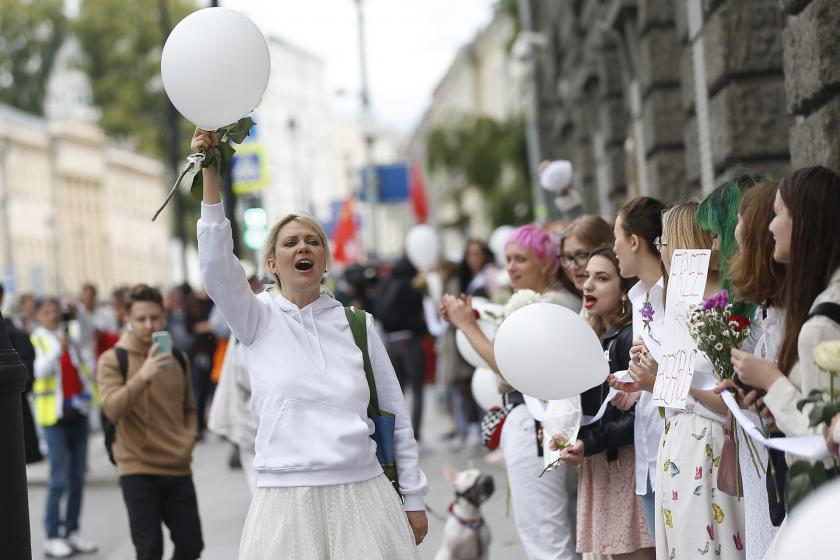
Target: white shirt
(647,428)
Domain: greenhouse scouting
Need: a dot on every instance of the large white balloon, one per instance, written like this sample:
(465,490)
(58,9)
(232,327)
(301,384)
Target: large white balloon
(549,352)
(810,530)
(556,176)
(466,349)
(485,390)
(498,240)
(215,87)
(421,246)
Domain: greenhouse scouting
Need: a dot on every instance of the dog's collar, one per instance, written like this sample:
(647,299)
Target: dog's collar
(474,524)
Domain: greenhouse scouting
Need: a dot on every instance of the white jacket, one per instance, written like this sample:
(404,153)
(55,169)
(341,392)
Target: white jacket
(309,392)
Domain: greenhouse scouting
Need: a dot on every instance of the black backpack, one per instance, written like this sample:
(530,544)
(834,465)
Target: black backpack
(109,429)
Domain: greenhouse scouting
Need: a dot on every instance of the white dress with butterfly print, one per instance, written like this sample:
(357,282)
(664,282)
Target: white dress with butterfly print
(694,519)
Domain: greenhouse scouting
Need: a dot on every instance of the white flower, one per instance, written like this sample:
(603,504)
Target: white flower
(718,346)
(712,337)
(520,299)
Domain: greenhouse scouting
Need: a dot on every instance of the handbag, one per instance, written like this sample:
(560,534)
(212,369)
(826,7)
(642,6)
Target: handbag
(492,424)
(729,472)
(384,422)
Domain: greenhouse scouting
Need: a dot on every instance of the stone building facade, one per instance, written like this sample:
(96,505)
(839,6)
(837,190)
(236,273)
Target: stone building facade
(670,97)
(76,208)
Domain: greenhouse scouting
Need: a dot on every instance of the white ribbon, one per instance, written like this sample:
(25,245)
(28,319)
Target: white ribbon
(622,376)
(810,447)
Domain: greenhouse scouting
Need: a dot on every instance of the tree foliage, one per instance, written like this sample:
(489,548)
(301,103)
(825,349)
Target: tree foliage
(122,42)
(31,33)
(490,156)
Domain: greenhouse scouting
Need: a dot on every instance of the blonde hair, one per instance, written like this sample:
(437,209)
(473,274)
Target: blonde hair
(274,234)
(681,231)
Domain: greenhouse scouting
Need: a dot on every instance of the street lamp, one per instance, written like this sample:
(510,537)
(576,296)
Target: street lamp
(367,131)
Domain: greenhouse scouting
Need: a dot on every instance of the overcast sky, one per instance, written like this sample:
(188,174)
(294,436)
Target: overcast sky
(410,44)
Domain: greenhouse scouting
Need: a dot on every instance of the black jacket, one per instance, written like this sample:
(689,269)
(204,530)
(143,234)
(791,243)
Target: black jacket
(398,305)
(615,428)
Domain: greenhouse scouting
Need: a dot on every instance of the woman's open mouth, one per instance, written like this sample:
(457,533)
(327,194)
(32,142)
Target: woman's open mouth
(304,265)
(589,301)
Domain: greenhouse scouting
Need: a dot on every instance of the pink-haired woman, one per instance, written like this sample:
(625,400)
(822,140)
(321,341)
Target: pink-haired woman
(543,508)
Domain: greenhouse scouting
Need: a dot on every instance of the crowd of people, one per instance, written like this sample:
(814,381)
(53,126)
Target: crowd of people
(303,391)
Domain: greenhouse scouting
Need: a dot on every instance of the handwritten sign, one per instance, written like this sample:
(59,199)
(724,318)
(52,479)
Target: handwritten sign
(686,285)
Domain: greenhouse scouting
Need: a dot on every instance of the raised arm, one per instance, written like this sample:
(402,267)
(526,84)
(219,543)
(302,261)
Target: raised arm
(224,278)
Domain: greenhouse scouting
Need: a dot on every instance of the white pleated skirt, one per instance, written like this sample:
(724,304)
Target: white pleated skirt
(356,521)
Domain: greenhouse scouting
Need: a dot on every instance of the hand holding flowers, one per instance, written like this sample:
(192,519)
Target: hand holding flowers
(717,331)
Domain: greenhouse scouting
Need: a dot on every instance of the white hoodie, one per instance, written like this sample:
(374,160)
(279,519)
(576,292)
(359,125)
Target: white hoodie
(309,392)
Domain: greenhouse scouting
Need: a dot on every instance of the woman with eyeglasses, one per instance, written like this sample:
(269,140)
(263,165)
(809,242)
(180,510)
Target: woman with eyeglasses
(692,516)
(638,241)
(585,234)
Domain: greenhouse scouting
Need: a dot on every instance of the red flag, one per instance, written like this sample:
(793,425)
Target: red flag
(345,244)
(417,193)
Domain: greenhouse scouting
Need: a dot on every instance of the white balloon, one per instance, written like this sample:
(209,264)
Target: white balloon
(809,530)
(421,246)
(485,390)
(498,240)
(549,352)
(466,349)
(556,176)
(215,87)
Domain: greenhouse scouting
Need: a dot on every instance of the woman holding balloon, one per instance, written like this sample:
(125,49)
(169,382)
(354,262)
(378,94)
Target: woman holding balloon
(543,508)
(321,493)
(604,446)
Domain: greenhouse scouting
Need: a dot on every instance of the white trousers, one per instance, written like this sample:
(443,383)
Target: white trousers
(543,508)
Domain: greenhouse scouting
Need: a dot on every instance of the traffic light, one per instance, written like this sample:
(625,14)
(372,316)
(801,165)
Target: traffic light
(255,230)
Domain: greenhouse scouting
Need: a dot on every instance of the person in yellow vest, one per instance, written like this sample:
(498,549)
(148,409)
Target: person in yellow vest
(63,393)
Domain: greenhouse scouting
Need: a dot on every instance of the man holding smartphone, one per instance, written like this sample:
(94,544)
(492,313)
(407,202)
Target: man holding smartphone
(146,393)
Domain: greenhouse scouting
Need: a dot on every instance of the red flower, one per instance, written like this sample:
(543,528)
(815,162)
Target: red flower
(742,322)
(476,314)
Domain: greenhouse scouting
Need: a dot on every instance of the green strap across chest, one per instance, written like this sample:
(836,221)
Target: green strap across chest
(358,326)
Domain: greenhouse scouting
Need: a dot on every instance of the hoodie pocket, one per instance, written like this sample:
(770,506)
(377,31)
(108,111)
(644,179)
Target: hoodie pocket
(306,435)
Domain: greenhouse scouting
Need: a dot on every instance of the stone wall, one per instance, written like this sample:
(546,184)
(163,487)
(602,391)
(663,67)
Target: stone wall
(771,91)
(812,80)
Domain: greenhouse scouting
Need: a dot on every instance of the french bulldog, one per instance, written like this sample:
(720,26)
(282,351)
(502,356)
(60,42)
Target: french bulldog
(465,534)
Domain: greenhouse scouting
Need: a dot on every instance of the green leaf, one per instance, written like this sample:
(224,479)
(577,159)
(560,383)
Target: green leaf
(197,187)
(799,487)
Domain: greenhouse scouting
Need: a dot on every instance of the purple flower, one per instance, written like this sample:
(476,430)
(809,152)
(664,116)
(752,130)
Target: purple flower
(717,301)
(647,313)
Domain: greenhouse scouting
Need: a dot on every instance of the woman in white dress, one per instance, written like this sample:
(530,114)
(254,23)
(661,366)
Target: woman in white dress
(543,508)
(321,492)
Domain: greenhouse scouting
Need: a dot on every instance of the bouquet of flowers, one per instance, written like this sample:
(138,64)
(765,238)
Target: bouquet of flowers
(520,299)
(805,476)
(717,331)
(190,178)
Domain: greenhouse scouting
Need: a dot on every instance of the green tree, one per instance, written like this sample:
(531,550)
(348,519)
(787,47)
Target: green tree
(490,156)
(31,32)
(122,42)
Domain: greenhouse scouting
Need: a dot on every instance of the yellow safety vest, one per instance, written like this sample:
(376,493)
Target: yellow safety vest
(48,397)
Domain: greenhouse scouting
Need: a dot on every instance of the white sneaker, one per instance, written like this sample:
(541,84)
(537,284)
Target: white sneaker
(57,548)
(78,544)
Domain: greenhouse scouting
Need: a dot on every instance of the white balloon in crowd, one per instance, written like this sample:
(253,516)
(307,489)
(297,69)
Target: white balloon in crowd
(215,87)
(810,529)
(549,352)
(466,349)
(421,247)
(498,240)
(485,390)
(556,176)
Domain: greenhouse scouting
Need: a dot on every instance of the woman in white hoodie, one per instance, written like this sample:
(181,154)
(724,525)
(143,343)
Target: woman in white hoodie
(321,492)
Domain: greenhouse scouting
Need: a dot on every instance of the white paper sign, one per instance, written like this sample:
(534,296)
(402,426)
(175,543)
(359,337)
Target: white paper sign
(686,286)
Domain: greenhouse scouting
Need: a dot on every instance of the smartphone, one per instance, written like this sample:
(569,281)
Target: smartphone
(164,341)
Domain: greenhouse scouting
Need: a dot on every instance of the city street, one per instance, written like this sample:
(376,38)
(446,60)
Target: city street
(223,499)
